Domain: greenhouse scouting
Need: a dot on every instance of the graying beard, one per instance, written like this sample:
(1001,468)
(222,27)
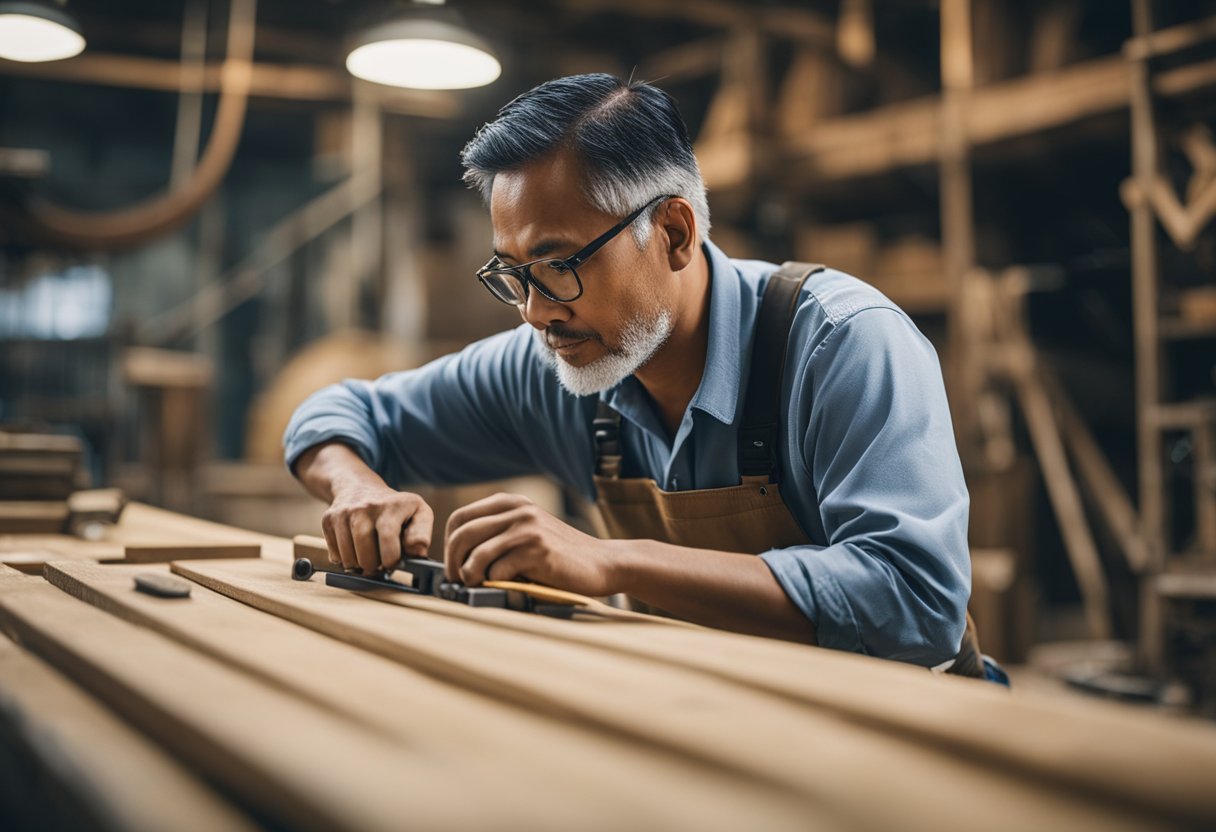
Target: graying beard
(639,342)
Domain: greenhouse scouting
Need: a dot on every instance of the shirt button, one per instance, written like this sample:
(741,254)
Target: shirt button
(675,483)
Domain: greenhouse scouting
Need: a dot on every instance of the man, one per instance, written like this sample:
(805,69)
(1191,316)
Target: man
(824,505)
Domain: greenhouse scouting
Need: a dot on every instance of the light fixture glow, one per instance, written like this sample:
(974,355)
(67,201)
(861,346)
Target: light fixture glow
(423,54)
(32,33)
(423,64)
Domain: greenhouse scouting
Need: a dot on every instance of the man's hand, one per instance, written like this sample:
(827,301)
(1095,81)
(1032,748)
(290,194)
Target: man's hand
(508,537)
(369,526)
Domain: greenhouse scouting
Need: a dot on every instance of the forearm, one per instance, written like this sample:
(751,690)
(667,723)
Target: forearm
(330,466)
(725,590)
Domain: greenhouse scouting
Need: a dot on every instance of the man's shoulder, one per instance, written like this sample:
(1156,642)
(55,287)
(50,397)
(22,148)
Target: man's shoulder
(829,296)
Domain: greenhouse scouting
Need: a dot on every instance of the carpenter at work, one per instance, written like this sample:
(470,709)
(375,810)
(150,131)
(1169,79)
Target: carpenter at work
(772,454)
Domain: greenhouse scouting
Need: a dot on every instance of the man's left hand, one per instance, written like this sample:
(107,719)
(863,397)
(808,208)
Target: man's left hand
(508,537)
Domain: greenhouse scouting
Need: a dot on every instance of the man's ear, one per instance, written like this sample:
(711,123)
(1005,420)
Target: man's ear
(680,226)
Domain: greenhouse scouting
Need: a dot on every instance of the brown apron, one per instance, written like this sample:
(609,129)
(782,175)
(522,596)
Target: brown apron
(749,517)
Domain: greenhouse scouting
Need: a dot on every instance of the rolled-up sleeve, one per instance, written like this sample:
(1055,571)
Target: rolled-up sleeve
(458,419)
(869,410)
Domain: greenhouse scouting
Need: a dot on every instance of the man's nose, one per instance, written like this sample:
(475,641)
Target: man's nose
(539,311)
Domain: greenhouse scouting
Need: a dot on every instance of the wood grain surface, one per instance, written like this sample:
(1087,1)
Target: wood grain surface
(125,780)
(763,734)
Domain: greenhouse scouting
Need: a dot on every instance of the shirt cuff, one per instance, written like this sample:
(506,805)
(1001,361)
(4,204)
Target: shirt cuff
(804,575)
(302,440)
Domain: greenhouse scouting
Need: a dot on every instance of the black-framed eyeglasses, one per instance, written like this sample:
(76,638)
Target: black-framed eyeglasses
(558,279)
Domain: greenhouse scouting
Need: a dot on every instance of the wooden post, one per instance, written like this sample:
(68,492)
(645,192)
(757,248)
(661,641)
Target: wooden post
(1147,354)
(957,218)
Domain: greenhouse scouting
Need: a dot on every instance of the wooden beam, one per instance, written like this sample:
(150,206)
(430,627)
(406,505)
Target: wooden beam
(1105,490)
(295,82)
(788,22)
(907,134)
(126,781)
(1175,39)
(1024,373)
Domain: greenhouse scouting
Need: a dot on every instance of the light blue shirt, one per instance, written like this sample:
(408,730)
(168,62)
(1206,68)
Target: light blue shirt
(866,428)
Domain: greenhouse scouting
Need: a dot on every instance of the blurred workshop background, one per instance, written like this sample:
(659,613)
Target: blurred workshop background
(205,216)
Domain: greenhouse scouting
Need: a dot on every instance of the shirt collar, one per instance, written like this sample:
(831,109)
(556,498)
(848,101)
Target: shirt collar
(718,393)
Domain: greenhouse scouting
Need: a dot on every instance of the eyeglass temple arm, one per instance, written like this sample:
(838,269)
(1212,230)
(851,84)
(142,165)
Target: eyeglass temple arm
(595,245)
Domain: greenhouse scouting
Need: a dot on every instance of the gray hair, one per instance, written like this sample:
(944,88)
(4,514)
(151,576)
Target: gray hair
(630,137)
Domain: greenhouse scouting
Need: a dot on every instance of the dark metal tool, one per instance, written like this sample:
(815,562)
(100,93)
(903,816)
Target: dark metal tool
(426,578)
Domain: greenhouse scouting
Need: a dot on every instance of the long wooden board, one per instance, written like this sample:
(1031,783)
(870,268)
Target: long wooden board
(300,765)
(526,751)
(875,775)
(1151,763)
(125,780)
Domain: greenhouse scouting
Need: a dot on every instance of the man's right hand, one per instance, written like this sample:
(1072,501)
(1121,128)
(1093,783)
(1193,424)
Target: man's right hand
(368,525)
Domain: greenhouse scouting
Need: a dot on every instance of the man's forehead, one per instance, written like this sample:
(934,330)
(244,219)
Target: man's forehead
(536,208)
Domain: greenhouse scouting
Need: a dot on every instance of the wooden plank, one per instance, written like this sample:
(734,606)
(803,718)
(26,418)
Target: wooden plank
(529,753)
(1096,748)
(125,780)
(301,766)
(165,552)
(30,552)
(144,524)
(1044,755)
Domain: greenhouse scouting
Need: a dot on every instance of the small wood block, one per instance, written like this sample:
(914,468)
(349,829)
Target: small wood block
(165,552)
(314,550)
(162,586)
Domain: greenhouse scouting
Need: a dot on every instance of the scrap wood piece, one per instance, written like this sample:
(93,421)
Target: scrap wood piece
(301,766)
(125,780)
(641,689)
(529,753)
(145,524)
(165,552)
(29,553)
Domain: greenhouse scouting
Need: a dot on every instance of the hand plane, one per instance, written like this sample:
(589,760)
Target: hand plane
(426,578)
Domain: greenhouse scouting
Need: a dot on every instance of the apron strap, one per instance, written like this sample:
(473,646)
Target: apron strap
(606,429)
(762,408)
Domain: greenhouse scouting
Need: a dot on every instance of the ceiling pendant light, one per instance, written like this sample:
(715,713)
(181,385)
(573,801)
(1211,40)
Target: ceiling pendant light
(428,50)
(33,32)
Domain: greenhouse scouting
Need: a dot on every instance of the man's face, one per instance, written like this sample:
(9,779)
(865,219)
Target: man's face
(625,312)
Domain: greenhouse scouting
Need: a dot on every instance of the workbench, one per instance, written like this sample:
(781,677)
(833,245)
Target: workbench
(261,701)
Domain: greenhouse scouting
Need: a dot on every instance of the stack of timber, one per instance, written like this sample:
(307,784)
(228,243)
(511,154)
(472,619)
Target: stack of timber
(37,473)
(262,700)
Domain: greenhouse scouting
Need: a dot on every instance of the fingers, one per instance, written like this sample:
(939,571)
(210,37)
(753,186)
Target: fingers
(370,534)
(461,540)
(417,538)
(331,543)
(509,567)
(388,536)
(346,546)
(485,507)
(367,547)
(504,555)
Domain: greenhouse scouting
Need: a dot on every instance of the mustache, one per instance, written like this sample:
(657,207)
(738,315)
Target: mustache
(562,333)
